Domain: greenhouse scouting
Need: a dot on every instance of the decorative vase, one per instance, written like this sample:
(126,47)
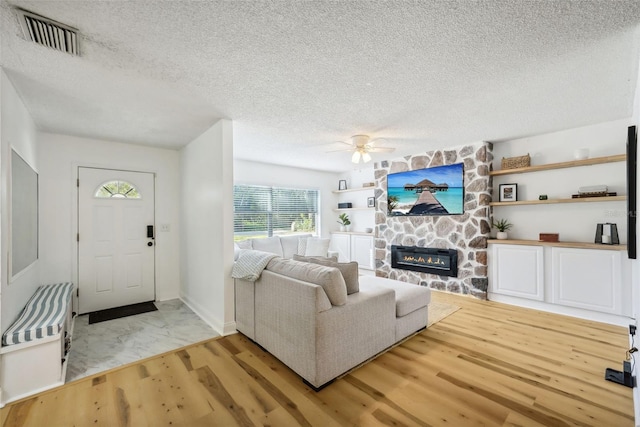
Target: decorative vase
(501,235)
(343,228)
(348,227)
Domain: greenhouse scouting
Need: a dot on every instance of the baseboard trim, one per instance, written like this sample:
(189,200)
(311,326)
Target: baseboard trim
(204,314)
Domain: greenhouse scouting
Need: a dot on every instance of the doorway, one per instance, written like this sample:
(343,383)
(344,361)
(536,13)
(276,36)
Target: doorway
(116,238)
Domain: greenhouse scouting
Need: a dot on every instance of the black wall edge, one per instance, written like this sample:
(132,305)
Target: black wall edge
(632,175)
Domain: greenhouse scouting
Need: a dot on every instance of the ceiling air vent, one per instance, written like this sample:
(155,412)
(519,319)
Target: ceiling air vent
(49,33)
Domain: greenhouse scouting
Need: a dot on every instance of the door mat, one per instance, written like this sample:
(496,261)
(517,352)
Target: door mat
(124,311)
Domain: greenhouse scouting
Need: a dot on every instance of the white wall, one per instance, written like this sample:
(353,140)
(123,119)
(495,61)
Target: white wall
(207,224)
(574,221)
(255,173)
(59,159)
(18,131)
(360,219)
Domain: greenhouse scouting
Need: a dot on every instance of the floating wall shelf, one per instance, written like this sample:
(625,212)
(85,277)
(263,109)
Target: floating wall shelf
(554,201)
(562,165)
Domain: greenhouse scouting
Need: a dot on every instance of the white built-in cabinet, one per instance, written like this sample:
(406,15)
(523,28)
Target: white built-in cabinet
(352,246)
(518,271)
(562,278)
(589,279)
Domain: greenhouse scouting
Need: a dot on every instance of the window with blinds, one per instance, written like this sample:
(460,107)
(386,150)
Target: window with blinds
(272,211)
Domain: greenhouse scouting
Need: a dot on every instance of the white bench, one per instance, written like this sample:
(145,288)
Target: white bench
(34,348)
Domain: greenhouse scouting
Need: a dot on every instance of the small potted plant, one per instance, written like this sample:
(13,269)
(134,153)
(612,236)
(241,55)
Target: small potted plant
(502,225)
(344,222)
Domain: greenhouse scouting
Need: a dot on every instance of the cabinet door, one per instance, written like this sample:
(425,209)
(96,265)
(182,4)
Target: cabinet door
(587,278)
(362,251)
(342,244)
(518,271)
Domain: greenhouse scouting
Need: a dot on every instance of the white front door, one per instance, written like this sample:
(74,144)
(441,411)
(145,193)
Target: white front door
(116,249)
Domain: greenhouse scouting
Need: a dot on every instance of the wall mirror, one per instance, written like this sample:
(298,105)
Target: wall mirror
(24,215)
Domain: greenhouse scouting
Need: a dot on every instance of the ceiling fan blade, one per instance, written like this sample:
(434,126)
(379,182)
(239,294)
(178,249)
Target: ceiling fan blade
(381,149)
(344,149)
(375,141)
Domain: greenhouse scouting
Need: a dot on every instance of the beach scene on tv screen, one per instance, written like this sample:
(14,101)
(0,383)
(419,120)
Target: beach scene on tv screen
(432,191)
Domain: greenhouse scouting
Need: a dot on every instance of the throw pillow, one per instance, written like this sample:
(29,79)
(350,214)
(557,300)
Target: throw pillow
(291,244)
(329,278)
(245,244)
(316,247)
(302,245)
(349,270)
(236,251)
(268,244)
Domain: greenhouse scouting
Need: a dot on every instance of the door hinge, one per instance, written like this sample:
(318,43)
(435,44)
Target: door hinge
(78,237)
(78,292)
(78,182)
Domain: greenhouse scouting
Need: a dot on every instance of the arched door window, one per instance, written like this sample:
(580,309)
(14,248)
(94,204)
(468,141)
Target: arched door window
(117,190)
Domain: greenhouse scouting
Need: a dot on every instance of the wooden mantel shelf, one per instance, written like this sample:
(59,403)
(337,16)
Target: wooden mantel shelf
(562,165)
(554,201)
(578,245)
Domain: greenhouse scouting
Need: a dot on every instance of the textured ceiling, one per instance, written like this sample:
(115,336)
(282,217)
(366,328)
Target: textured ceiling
(296,76)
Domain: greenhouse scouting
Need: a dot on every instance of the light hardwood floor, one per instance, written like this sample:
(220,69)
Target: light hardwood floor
(486,364)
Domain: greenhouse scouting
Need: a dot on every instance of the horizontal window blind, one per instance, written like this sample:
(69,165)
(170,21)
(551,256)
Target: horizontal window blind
(261,211)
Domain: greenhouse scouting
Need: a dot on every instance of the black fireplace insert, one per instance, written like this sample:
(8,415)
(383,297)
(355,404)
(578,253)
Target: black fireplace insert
(443,262)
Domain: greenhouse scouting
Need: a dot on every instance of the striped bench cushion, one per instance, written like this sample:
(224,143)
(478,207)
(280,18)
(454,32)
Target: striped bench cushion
(43,315)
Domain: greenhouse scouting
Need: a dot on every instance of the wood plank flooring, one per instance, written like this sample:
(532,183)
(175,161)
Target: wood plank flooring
(487,364)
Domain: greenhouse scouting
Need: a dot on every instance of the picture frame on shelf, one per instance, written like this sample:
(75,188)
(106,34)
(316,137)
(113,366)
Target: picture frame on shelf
(371,202)
(342,184)
(508,192)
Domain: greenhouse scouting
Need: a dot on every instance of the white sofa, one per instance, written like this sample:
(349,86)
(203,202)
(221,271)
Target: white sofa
(287,246)
(302,313)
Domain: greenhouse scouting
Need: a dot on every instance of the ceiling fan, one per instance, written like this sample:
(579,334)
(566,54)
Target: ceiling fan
(362,145)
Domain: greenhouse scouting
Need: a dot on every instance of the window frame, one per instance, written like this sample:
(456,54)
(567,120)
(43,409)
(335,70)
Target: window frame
(271,225)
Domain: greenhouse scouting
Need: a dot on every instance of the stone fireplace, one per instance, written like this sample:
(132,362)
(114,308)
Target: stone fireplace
(465,234)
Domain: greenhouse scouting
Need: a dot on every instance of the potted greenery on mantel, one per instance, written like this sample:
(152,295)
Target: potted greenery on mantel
(502,225)
(344,221)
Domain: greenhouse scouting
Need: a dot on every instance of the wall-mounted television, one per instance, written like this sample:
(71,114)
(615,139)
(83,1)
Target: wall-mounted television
(437,190)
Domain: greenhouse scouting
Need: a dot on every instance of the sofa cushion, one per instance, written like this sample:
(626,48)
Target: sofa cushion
(236,251)
(349,270)
(245,244)
(290,244)
(316,247)
(409,297)
(309,258)
(328,277)
(268,244)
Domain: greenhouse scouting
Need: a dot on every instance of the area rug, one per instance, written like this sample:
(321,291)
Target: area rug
(440,310)
(118,312)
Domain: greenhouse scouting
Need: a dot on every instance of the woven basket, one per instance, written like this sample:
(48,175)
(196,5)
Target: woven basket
(516,162)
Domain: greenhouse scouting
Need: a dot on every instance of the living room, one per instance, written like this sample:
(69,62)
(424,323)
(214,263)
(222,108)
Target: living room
(194,181)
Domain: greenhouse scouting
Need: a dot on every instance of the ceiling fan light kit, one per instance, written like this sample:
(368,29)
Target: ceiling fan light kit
(362,145)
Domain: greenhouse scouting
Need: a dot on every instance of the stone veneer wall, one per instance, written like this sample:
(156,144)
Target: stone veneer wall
(468,233)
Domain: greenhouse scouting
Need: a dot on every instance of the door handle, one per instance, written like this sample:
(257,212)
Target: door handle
(150,232)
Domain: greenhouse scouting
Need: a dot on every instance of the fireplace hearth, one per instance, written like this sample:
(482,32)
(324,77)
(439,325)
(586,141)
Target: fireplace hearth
(442,262)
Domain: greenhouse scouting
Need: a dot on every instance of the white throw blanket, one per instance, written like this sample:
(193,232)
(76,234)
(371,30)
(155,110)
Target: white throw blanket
(250,264)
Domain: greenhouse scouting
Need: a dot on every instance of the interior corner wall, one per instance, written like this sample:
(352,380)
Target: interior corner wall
(59,159)
(207,226)
(256,173)
(467,233)
(17,131)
